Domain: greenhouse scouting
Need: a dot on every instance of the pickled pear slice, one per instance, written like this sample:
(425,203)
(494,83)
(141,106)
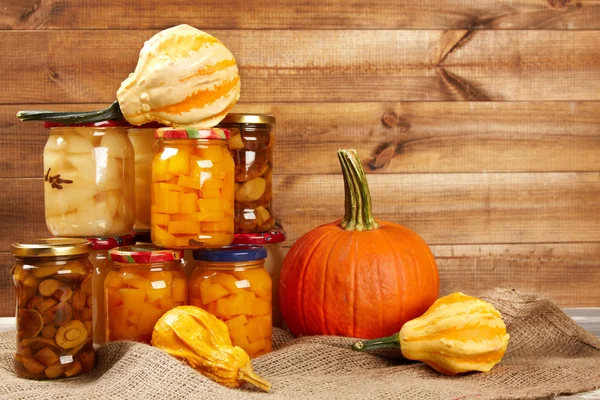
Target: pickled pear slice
(67,199)
(56,142)
(30,323)
(79,144)
(117,144)
(113,198)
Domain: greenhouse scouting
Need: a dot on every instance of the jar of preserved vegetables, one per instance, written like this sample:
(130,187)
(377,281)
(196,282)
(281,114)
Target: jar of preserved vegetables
(251,146)
(145,282)
(192,189)
(53,279)
(232,284)
(101,266)
(89,180)
(272,242)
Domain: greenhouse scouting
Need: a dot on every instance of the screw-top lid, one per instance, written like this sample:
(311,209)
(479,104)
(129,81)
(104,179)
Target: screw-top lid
(99,124)
(143,254)
(107,243)
(275,235)
(256,119)
(52,247)
(192,133)
(238,253)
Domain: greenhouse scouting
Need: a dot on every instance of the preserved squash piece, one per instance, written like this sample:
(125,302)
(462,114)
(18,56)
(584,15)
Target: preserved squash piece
(192,334)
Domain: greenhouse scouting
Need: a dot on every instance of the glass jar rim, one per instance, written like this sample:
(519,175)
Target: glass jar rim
(253,119)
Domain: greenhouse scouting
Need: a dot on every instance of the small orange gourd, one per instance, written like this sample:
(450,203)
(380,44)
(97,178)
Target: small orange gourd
(356,277)
(458,333)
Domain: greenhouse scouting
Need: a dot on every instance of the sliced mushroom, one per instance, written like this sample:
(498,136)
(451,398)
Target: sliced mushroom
(48,287)
(31,281)
(30,323)
(25,293)
(58,315)
(71,335)
(37,343)
(45,271)
(86,285)
(89,301)
(26,352)
(73,369)
(46,356)
(54,371)
(86,314)
(49,331)
(62,294)
(78,300)
(87,359)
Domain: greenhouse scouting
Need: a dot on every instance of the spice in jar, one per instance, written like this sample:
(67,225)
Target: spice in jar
(101,266)
(232,284)
(192,189)
(251,146)
(146,281)
(89,180)
(53,279)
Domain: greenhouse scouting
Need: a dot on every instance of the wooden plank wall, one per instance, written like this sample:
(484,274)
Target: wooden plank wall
(478,122)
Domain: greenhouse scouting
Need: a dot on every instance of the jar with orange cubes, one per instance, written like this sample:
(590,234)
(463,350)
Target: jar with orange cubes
(192,189)
(232,284)
(146,282)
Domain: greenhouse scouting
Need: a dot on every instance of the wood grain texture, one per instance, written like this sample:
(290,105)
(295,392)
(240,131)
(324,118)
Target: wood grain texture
(390,137)
(341,66)
(442,208)
(7,287)
(299,14)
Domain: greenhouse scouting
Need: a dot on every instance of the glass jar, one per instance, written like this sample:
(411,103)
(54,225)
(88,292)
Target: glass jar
(192,189)
(53,279)
(144,146)
(101,266)
(272,242)
(145,282)
(233,285)
(251,146)
(89,180)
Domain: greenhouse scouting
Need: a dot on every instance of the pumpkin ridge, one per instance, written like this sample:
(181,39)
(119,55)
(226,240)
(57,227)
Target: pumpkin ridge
(431,258)
(401,282)
(323,311)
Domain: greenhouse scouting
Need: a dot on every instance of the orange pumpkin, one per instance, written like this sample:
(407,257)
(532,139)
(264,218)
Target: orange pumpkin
(356,277)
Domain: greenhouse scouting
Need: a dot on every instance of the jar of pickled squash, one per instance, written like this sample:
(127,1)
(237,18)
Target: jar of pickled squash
(232,284)
(89,180)
(100,267)
(144,147)
(192,189)
(53,279)
(251,146)
(145,282)
(272,242)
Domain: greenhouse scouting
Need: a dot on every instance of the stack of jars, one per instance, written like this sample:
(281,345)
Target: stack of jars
(181,189)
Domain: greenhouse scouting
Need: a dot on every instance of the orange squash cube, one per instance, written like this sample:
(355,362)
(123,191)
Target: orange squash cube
(179,162)
(214,216)
(179,290)
(226,225)
(136,280)
(212,184)
(229,282)
(114,298)
(113,280)
(259,327)
(196,302)
(160,219)
(184,241)
(117,322)
(227,191)
(254,347)
(211,193)
(235,304)
(189,182)
(210,292)
(148,317)
(213,153)
(134,319)
(132,298)
(160,170)
(227,207)
(189,202)
(218,239)
(239,334)
(261,307)
(210,205)
(211,308)
(260,281)
(167,201)
(236,322)
(184,227)
(163,237)
(239,341)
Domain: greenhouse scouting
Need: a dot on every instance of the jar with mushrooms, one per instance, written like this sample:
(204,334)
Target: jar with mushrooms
(53,279)
(251,146)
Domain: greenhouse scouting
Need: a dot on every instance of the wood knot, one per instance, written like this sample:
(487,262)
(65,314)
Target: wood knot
(28,12)
(53,75)
(391,120)
(558,4)
(382,156)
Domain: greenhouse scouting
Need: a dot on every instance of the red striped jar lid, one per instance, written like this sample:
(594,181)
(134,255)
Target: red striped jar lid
(143,254)
(107,243)
(275,235)
(192,133)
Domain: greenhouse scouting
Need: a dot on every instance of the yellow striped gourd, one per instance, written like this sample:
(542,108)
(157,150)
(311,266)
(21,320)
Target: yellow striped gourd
(457,334)
(183,77)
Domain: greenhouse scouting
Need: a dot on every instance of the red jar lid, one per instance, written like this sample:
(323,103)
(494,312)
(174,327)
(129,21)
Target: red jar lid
(192,133)
(273,236)
(143,254)
(99,124)
(107,243)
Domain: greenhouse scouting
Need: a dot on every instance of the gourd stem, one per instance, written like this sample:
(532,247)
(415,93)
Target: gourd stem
(247,375)
(112,112)
(390,342)
(358,209)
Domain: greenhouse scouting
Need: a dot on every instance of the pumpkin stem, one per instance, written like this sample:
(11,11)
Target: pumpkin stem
(246,374)
(358,213)
(390,342)
(112,112)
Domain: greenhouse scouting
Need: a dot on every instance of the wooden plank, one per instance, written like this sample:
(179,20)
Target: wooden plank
(342,66)
(298,14)
(589,318)
(390,137)
(567,273)
(442,208)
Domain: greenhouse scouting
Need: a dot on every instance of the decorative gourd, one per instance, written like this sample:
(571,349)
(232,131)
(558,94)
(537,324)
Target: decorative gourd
(184,77)
(356,277)
(459,333)
(194,335)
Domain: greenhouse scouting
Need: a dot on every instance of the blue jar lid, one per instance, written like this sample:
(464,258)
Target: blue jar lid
(236,253)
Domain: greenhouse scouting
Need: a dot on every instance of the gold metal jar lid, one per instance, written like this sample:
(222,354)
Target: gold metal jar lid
(239,118)
(52,247)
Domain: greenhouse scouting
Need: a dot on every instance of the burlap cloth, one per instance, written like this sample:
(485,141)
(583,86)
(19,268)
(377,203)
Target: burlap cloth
(548,354)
